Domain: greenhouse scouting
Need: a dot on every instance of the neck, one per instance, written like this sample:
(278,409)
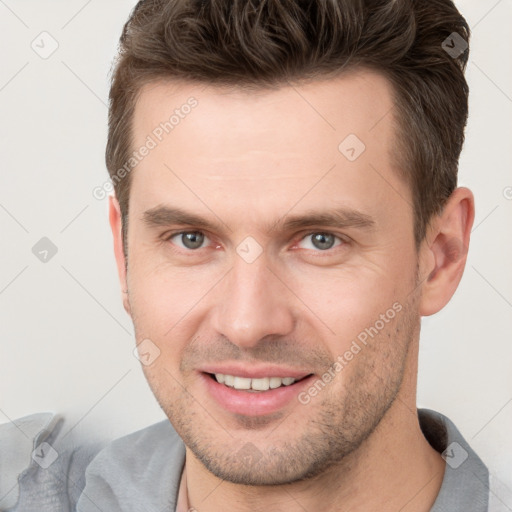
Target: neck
(394,469)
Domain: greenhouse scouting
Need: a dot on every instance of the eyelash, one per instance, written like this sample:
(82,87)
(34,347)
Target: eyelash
(343,239)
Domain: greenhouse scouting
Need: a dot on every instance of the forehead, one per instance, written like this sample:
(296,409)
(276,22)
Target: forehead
(326,140)
(280,120)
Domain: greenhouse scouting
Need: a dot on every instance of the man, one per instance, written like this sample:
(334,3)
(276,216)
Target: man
(286,211)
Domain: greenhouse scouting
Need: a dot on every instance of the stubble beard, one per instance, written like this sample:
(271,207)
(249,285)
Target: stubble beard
(341,418)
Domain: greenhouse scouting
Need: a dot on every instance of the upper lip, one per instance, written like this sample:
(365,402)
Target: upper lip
(255,371)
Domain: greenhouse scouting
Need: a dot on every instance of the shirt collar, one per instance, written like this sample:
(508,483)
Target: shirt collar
(465,484)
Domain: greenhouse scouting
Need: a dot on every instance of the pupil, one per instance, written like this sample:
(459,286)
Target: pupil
(323,240)
(192,240)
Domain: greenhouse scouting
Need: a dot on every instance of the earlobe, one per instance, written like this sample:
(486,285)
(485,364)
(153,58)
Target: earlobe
(446,250)
(115,219)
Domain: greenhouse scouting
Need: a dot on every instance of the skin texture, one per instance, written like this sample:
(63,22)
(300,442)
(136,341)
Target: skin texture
(247,161)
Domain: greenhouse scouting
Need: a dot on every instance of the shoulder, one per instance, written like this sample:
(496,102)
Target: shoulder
(134,451)
(500,495)
(135,470)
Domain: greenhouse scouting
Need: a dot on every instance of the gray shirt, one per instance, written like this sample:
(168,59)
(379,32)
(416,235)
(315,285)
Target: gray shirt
(142,471)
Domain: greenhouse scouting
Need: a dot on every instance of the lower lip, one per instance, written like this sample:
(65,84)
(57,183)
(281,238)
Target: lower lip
(254,403)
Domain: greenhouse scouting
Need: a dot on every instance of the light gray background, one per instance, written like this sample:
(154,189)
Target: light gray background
(66,342)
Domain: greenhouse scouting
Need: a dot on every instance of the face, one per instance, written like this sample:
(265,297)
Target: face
(271,248)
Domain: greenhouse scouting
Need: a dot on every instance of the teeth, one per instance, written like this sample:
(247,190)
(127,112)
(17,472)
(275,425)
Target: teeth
(262,384)
(275,382)
(242,383)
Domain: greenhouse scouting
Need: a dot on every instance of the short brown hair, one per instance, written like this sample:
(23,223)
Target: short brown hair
(272,43)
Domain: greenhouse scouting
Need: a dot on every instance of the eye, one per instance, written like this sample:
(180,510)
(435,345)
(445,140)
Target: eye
(322,241)
(188,239)
(319,241)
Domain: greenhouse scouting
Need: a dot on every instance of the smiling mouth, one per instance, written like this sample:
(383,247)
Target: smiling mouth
(256,385)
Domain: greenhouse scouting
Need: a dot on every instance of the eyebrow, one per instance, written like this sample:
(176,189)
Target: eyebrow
(161,216)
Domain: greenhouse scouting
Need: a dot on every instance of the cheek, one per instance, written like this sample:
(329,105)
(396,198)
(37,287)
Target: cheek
(165,301)
(351,303)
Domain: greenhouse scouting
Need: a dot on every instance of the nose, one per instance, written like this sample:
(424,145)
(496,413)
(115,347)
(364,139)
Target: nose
(252,303)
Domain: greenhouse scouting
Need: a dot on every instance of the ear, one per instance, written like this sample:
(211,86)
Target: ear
(115,219)
(445,250)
